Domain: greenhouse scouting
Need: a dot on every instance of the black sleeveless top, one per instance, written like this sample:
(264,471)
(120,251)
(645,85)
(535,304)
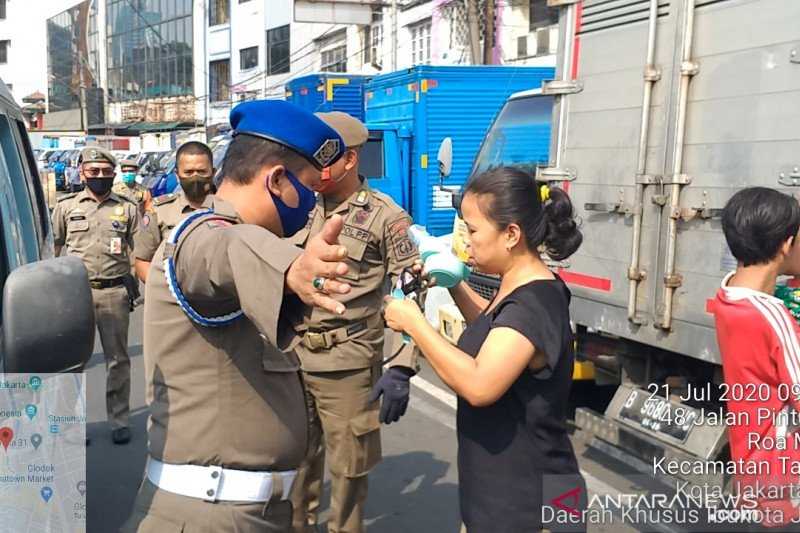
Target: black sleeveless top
(515,455)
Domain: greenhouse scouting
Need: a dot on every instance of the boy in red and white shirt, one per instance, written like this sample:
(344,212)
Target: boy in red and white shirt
(759,341)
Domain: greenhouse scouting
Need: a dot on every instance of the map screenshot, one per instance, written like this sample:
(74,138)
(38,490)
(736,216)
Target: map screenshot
(42,453)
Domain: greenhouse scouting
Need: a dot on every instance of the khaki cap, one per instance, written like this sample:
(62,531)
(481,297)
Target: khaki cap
(128,163)
(95,154)
(352,131)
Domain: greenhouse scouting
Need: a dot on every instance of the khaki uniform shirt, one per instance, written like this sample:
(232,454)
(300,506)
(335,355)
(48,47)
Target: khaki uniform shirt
(378,248)
(135,194)
(224,396)
(101,234)
(157,224)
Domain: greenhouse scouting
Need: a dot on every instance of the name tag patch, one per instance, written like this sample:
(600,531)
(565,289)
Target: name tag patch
(115,246)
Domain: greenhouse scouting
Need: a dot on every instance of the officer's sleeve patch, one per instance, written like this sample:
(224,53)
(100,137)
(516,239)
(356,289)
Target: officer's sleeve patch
(401,243)
(145,220)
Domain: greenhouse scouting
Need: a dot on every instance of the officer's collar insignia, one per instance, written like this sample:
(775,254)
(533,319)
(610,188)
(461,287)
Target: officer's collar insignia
(325,154)
(119,210)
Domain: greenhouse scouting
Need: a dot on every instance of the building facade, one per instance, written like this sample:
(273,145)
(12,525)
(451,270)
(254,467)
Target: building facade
(162,64)
(254,47)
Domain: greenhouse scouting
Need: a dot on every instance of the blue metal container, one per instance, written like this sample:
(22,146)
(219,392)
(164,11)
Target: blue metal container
(415,109)
(329,91)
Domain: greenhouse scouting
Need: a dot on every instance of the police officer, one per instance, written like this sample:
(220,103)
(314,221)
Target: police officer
(195,169)
(100,227)
(228,425)
(341,355)
(128,186)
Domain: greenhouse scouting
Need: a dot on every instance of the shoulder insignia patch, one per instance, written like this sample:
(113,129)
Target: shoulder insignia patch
(400,242)
(145,221)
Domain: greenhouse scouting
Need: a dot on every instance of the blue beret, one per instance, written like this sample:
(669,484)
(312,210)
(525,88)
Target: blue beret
(290,125)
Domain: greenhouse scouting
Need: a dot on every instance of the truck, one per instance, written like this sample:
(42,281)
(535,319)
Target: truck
(410,112)
(660,111)
(329,91)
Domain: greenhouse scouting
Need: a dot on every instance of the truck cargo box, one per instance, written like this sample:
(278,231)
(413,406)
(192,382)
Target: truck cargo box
(410,112)
(329,91)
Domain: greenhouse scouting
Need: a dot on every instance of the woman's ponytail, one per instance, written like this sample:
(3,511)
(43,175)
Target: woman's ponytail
(563,237)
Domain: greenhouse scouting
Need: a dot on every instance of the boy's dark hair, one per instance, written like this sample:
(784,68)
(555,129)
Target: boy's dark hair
(194,148)
(247,155)
(757,221)
(515,198)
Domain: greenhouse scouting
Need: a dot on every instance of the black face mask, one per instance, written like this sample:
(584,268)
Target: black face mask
(196,190)
(99,186)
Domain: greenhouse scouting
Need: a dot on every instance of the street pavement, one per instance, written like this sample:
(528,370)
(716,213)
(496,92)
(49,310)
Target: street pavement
(414,488)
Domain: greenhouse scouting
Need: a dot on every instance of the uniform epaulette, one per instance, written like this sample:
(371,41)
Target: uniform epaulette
(123,198)
(386,199)
(67,197)
(164,199)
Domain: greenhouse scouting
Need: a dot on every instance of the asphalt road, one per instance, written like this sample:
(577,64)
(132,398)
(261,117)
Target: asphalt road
(414,488)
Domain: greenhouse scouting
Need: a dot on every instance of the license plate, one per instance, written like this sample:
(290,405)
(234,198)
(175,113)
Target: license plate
(659,415)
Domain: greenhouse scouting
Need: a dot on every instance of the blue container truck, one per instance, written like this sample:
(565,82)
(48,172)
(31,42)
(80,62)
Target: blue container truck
(330,91)
(410,112)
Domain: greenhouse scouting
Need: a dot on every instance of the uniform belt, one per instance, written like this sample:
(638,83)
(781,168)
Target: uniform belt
(325,340)
(106,283)
(214,483)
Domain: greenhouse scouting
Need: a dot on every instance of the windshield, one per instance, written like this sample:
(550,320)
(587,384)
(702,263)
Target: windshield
(520,136)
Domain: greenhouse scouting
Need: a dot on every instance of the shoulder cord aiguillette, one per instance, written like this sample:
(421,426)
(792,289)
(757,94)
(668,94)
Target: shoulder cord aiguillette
(172,279)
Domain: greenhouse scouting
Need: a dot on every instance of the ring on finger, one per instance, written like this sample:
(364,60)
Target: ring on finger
(318,283)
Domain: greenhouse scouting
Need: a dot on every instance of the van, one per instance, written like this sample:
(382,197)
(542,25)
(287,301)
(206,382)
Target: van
(46,312)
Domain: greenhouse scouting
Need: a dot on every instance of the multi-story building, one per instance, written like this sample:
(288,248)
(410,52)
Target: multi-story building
(162,64)
(23,45)
(255,47)
(74,94)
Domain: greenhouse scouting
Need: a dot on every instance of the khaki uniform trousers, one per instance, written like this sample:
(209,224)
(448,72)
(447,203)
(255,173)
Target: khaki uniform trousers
(112,314)
(345,428)
(159,511)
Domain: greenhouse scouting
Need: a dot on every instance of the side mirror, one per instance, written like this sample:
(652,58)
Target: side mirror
(48,317)
(445,157)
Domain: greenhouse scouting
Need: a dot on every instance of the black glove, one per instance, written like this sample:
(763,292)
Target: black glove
(393,384)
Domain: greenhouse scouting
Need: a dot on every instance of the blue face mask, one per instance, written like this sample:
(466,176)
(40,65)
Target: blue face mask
(128,178)
(294,218)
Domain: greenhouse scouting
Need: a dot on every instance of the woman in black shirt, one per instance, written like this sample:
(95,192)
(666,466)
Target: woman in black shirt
(512,368)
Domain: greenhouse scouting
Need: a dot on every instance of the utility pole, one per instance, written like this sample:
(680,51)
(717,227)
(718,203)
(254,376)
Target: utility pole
(474,32)
(488,39)
(394,35)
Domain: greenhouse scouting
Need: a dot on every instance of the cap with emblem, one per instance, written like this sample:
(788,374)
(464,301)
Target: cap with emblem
(95,154)
(128,163)
(353,131)
(290,125)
